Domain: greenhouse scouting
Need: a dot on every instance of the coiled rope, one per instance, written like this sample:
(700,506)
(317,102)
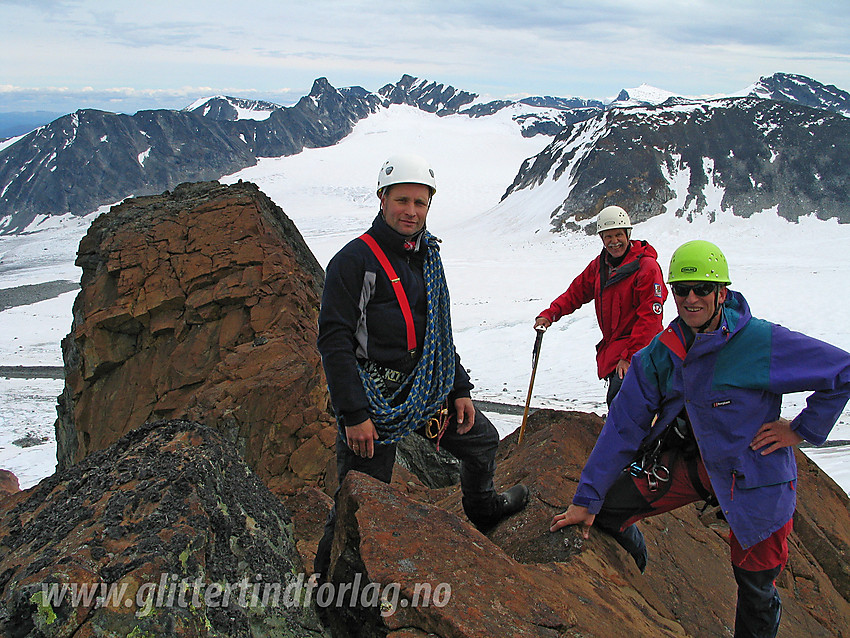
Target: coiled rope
(432,379)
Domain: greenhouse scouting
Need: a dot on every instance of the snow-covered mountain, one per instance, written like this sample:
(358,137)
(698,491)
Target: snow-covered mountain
(799,89)
(644,95)
(742,155)
(91,158)
(223,107)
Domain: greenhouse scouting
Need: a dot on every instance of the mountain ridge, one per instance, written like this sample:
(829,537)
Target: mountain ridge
(89,158)
(761,154)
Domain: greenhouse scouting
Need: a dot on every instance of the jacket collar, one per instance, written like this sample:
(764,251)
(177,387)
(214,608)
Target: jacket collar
(736,314)
(395,241)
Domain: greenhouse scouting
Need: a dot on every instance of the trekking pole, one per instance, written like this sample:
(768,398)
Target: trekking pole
(535,356)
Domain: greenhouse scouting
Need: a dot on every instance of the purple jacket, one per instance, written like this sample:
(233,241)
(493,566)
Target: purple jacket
(731,381)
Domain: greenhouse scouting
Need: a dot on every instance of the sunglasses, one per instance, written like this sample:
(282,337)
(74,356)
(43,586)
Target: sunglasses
(700,290)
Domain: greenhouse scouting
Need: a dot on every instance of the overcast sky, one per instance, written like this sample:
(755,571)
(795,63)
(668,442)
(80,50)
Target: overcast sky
(60,55)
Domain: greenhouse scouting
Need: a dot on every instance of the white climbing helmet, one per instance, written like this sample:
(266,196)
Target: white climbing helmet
(406,169)
(612,217)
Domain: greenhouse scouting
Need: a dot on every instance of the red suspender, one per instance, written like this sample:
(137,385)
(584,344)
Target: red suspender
(397,287)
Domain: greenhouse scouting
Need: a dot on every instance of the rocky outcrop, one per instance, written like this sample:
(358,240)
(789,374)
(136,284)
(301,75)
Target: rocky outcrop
(199,304)
(165,533)
(439,576)
(8,484)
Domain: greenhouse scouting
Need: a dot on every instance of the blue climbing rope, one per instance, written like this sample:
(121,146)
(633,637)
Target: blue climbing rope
(432,379)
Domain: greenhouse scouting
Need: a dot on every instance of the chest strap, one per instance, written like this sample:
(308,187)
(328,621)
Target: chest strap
(397,288)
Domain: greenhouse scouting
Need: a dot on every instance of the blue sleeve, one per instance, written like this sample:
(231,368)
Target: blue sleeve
(629,422)
(799,363)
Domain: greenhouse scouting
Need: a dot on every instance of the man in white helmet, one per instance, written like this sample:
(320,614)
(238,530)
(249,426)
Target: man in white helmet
(628,288)
(389,357)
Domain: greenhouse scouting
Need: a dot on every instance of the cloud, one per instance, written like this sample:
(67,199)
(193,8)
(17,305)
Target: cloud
(590,49)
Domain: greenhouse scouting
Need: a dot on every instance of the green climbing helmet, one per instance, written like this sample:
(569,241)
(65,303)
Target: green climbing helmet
(698,260)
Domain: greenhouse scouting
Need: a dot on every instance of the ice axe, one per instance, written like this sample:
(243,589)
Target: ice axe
(535,356)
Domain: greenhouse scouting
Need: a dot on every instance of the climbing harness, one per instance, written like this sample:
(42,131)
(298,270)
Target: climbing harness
(676,441)
(425,389)
(649,462)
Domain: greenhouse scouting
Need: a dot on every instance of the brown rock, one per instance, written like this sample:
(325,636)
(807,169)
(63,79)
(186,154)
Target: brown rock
(308,461)
(199,304)
(8,484)
(526,581)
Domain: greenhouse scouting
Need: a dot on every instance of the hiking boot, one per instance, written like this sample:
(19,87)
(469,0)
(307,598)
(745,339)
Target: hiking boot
(631,539)
(506,503)
(513,500)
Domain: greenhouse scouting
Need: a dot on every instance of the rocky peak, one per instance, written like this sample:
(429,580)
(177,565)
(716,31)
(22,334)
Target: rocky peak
(428,96)
(336,109)
(799,89)
(199,304)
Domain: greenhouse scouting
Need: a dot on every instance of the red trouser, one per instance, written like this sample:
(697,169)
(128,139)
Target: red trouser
(631,499)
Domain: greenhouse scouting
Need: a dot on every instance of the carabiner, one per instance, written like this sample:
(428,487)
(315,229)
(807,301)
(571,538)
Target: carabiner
(664,474)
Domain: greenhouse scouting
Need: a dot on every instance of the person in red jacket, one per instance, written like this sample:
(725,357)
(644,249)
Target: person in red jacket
(628,288)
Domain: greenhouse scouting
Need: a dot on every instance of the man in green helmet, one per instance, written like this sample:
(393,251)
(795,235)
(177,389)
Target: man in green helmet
(698,418)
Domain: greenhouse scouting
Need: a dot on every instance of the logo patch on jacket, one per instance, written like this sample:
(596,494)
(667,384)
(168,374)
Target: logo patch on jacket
(656,308)
(658,292)
(720,404)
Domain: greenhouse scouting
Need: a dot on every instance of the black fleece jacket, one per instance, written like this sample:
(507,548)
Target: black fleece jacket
(361,319)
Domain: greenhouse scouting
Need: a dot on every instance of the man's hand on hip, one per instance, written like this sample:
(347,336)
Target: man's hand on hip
(775,435)
(361,438)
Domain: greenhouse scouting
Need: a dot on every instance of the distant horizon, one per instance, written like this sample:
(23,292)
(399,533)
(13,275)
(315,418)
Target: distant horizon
(178,104)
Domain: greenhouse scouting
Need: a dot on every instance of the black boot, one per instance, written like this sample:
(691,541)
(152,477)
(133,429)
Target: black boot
(631,539)
(513,500)
(505,504)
